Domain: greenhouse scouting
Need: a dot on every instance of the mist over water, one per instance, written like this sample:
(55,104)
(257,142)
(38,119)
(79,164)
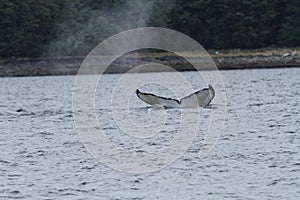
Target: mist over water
(84,27)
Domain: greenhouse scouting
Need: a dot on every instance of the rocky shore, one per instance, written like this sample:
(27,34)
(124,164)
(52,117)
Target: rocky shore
(70,65)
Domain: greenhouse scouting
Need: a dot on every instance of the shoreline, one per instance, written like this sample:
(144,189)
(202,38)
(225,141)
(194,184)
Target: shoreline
(49,66)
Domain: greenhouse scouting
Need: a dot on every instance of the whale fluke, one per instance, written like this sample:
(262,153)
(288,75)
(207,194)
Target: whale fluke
(200,98)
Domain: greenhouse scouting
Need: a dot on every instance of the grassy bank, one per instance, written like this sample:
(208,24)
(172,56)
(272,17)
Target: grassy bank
(225,60)
(212,52)
(253,52)
(218,53)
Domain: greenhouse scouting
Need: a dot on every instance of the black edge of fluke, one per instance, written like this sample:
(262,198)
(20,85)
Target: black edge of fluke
(150,94)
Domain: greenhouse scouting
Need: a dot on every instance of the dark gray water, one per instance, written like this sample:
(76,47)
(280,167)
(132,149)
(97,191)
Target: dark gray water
(257,156)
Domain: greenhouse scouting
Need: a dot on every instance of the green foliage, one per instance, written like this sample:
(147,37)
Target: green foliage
(226,23)
(289,34)
(30,28)
(26,27)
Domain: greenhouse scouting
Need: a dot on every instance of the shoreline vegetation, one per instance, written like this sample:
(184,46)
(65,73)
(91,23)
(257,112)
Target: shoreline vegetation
(224,60)
(40,38)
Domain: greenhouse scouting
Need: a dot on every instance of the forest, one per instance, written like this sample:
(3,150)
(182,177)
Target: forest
(35,28)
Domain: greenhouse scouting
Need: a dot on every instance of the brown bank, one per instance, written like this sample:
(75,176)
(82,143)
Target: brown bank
(70,65)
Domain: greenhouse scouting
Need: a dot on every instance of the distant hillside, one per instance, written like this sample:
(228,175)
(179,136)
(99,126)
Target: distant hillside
(34,28)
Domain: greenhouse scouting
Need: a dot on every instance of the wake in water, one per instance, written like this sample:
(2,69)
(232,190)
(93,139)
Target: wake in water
(200,98)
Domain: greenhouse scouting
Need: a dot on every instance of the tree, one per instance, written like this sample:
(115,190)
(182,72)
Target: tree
(225,23)
(27,26)
(289,34)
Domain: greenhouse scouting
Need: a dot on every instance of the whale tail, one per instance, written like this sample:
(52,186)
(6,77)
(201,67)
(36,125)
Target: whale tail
(200,98)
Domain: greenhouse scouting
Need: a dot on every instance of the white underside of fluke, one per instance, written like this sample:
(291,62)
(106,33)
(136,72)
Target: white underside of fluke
(200,98)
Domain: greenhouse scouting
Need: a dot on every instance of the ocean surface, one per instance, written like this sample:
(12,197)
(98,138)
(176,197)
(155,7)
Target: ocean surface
(256,157)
